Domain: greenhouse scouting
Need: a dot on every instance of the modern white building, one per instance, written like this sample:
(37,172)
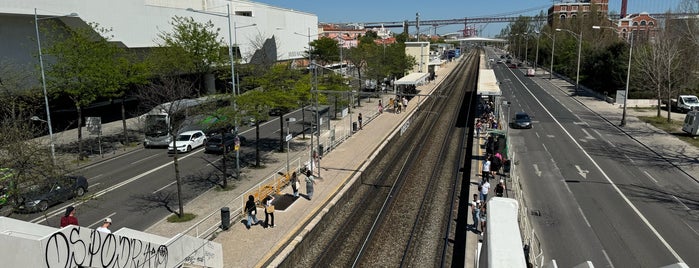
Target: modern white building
(137,23)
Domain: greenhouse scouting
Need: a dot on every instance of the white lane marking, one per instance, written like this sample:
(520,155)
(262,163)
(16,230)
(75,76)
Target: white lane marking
(215,161)
(609,180)
(537,135)
(100,175)
(588,136)
(107,190)
(584,218)
(629,158)
(580,123)
(144,159)
(608,259)
(582,172)
(691,228)
(651,177)
(545,148)
(537,171)
(99,222)
(678,201)
(610,143)
(162,188)
(93,185)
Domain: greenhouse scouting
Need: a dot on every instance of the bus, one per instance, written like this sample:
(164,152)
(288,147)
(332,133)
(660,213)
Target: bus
(160,120)
(502,243)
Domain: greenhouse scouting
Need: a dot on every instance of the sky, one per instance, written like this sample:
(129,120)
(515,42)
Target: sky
(329,11)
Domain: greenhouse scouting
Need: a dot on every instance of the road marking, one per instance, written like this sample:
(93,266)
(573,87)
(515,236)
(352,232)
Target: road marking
(678,201)
(100,175)
(536,170)
(589,137)
(609,180)
(58,211)
(144,159)
(583,215)
(580,122)
(651,177)
(608,259)
(162,188)
(93,185)
(629,158)
(582,172)
(545,148)
(610,143)
(100,221)
(690,227)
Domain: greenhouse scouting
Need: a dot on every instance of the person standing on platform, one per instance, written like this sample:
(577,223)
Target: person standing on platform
(485,174)
(380,107)
(69,218)
(500,188)
(483,217)
(310,180)
(475,211)
(485,188)
(295,184)
(269,212)
(251,210)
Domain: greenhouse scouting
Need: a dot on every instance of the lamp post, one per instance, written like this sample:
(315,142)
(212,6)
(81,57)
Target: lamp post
(316,108)
(235,37)
(43,81)
(628,72)
(553,49)
(230,55)
(536,57)
(288,139)
(579,37)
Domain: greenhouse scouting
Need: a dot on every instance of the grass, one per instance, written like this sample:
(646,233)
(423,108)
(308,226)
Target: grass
(185,218)
(674,128)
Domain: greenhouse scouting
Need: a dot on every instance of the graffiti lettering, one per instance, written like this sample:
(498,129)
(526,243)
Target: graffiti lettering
(96,249)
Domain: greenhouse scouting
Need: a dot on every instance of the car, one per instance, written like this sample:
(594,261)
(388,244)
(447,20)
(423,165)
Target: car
(38,198)
(522,120)
(214,144)
(531,72)
(187,141)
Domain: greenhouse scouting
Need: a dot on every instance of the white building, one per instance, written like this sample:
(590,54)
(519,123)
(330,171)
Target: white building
(136,24)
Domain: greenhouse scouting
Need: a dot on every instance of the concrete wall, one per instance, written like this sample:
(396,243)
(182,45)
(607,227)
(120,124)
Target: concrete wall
(24,244)
(137,23)
(421,52)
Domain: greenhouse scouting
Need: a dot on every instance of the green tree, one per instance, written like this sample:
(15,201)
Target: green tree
(190,48)
(325,50)
(85,64)
(130,74)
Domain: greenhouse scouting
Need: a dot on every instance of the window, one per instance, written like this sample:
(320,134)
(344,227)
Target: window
(574,8)
(564,8)
(244,13)
(586,8)
(563,16)
(643,23)
(650,23)
(635,23)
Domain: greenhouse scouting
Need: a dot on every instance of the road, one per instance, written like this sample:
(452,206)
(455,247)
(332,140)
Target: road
(601,196)
(118,185)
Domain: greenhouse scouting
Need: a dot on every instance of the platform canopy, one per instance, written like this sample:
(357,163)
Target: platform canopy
(488,83)
(413,79)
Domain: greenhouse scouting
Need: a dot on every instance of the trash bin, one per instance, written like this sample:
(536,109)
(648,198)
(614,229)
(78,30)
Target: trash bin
(225,218)
(354,126)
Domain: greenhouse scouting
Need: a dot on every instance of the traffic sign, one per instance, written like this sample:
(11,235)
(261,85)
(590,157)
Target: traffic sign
(289,137)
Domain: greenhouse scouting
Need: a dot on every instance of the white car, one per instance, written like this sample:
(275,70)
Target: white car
(187,141)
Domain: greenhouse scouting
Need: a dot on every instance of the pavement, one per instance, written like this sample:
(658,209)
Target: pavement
(258,246)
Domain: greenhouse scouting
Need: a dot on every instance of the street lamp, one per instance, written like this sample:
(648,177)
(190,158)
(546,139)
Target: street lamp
(230,55)
(288,139)
(43,80)
(628,72)
(311,67)
(579,37)
(536,57)
(235,37)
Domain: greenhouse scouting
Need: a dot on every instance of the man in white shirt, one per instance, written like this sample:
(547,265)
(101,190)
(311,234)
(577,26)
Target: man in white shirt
(105,226)
(485,187)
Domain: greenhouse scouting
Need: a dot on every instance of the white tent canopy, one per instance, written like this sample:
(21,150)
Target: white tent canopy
(413,79)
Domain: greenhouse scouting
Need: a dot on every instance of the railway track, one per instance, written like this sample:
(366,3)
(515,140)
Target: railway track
(400,213)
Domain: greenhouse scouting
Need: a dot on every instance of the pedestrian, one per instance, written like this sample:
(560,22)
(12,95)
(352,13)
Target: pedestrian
(105,226)
(380,107)
(359,118)
(310,180)
(251,210)
(397,105)
(485,174)
(482,214)
(478,128)
(269,212)
(405,103)
(500,188)
(391,104)
(69,217)
(295,184)
(495,165)
(485,187)
(475,211)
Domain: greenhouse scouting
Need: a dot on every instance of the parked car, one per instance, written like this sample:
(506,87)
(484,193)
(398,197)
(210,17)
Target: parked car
(522,120)
(187,141)
(58,190)
(531,72)
(215,145)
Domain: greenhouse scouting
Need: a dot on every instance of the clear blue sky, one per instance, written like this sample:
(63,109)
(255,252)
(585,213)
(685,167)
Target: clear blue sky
(393,10)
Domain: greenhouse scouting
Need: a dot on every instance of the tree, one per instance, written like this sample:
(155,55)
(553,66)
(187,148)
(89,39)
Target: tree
(325,50)
(19,103)
(130,73)
(84,68)
(191,48)
(173,90)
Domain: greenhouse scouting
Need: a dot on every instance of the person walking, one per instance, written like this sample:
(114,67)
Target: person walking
(391,104)
(483,215)
(269,212)
(105,226)
(405,103)
(500,188)
(69,217)
(475,211)
(380,107)
(310,180)
(478,129)
(485,187)
(295,184)
(251,210)
(359,118)
(485,174)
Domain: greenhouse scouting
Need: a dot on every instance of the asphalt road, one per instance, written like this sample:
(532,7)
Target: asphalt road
(120,186)
(602,197)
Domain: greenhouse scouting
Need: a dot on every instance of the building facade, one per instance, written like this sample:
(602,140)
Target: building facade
(573,9)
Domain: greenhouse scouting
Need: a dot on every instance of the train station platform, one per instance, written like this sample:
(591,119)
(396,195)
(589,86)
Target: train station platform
(339,166)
